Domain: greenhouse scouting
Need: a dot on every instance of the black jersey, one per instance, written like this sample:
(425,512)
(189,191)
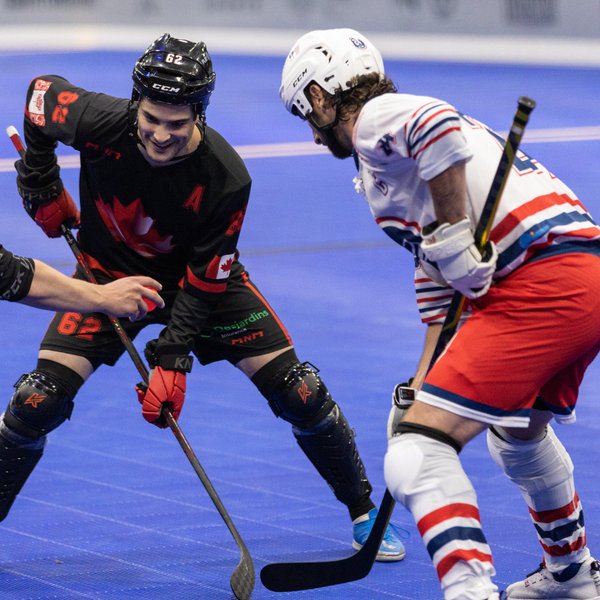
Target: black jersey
(178,223)
(16,275)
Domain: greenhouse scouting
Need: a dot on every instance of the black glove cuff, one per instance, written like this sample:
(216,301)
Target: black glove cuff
(174,357)
(176,362)
(33,197)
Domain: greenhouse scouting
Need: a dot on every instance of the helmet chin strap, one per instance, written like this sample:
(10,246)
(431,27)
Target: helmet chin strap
(200,124)
(132,119)
(326,131)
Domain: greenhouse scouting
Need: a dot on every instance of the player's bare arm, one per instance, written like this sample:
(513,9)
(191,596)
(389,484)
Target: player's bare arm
(449,242)
(448,192)
(431,337)
(51,290)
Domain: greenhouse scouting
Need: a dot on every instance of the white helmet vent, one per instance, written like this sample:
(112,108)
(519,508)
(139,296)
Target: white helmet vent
(329,58)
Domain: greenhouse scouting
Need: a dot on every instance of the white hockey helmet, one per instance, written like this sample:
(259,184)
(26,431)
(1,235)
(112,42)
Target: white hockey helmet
(331,58)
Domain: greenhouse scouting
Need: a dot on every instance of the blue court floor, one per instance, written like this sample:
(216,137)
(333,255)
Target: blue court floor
(114,510)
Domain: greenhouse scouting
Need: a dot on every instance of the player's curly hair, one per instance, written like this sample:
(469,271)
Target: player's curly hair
(363,87)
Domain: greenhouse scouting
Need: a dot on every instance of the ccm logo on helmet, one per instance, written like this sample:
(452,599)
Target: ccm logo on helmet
(165,88)
(299,78)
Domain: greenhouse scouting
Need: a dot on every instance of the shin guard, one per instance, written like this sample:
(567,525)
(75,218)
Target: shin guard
(18,457)
(426,476)
(543,471)
(297,394)
(330,446)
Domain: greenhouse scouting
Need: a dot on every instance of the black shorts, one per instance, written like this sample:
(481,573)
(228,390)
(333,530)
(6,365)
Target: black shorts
(241,324)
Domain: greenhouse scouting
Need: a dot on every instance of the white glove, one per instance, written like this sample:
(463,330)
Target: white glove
(402,399)
(433,273)
(459,261)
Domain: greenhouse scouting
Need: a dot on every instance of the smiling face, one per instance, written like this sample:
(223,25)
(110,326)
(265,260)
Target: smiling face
(166,130)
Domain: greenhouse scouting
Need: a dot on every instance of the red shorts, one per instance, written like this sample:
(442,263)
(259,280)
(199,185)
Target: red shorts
(534,334)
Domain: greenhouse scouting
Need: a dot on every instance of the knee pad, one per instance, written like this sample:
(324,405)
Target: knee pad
(430,432)
(414,456)
(294,390)
(331,448)
(426,468)
(42,401)
(538,466)
(297,394)
(301,397)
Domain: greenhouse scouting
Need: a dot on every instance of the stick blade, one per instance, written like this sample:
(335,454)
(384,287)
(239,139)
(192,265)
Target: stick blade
(242,580)
(298,576)
(294,577)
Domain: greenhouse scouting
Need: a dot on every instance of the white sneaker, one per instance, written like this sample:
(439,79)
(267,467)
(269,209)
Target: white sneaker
(542,585)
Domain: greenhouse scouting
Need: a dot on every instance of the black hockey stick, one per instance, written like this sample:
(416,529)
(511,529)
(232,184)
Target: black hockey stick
(482,233)
(243,578)
(296,576)
(289,577)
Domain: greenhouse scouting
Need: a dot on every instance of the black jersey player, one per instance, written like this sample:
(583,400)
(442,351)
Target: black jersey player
(163,195)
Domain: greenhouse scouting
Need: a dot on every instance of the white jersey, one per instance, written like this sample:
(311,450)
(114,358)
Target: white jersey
(402,141)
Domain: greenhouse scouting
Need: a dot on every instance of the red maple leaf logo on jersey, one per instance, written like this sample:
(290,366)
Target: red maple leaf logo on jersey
(226,266)
(131,225)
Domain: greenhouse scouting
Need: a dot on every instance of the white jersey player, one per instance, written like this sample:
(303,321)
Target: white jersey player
(403,141)
(426,171)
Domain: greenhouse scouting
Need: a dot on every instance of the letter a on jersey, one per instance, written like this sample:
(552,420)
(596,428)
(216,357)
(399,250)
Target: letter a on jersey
(193,202)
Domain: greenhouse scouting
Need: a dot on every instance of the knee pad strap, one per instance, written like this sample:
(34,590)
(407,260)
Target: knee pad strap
(430,432)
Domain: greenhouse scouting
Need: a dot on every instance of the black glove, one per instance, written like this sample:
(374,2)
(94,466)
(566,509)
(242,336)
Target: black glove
(36,188)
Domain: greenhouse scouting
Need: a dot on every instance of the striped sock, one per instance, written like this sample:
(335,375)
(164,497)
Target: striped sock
(543,471)
(561,532)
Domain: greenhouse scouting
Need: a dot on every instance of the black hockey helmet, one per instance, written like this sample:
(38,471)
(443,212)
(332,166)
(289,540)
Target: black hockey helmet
(175,71)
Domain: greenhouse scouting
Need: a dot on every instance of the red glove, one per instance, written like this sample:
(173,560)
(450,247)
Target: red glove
(45,199)
(166,386)
(51,215)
